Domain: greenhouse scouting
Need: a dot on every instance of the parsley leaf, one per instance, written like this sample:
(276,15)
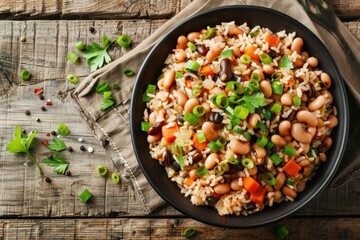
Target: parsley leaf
(286,63)
(58,162)
(96,55)
(227,53)
(58,146)
(21,143)
(253,101)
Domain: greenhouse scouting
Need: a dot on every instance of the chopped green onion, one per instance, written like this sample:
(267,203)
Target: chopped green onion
(222,100)
(149,90)
(268,178)
(108,95)
(226,53)
(234,86)
(102,87)
(191,66)
(282,231)
(145,126)
(262,141)
(101,170)
(106,104)
(269,145)
(25,74)
(214,146)
(245,59)
(191,118)
(62,129)
(115,178)
(247,162)
(221,168)
(296,101)
(234,99)
(80,45)
(267,113)
(277,87)
(233,161)
(124,41)
(261,125)
(72,57)
(199,111)
(241,112)
(178,75)
(255,76)
(237,130)
(275,159)
(191,46)
(246,135)
(255,33)
(72,78)
(276,108)
(290,182)
(221,142)
(85,196)
(128,72)
(253,85)
(210,33)
(276,76)
(201,171)
(189,232)
(201,137)
(196,91)
(265,58)
(290,151)
(116,86)
(179,142)
(228,127)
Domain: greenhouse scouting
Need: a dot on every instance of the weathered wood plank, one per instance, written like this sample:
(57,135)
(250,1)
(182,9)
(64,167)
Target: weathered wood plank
(29,9)
(122,228)
(346,9)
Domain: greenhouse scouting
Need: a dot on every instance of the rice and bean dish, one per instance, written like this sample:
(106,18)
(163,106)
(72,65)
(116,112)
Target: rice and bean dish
(240,117)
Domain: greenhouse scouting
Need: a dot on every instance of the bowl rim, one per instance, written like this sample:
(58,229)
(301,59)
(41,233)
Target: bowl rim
(344,134)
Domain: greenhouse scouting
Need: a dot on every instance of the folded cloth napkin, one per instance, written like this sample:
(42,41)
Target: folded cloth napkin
(112,127)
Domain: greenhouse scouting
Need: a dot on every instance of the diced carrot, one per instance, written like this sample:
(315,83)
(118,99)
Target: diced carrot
(199,146)
(258,196)
(251,52)
(272,40)
(214,194)
(169,132)
(206,70)
(188,84)
(246,77)
(291,168)
(188,182)
(250,184)
(233,59)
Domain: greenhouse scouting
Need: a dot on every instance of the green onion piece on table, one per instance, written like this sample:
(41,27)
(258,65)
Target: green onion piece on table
(124,41)
(245,59)
(128,72)
(199,111)
(101,170)
(62,129)
(145,126)
(196,91)
(247,162)
(265,58)
(290,151)
(282,231)
(102,87)
(25,74)
(115,178)
(80,45)
(191,66)
(201,171)
(268,178)
(72,57)
(116,86)
(191,46)
(72,78)
(85,196)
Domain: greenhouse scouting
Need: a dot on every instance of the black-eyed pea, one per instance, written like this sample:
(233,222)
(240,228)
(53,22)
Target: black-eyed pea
(190,104)
(333,121)
(253,119)
(265,87)
(268,188)
(253,171)
(153,138)
(213,53)
(305,147)
(284,128)
(210,131)
(180,55)
(307,171)
(259,151)
(235,185)
(206,106)
(191,37)
(239,147)
(278,140)
(322,157)
(277,196)
(260,73)
(268,69)
(325,79)
(300,187)
(307,117)
(289,192)
(317,103)
(169,78)
(298,62)
(235,31)
(286,99)
(304,163)
(222,188)
(180,97)
(280,180)
(182,42)
(300,134)
(297,45)
(211,161)
(312,61)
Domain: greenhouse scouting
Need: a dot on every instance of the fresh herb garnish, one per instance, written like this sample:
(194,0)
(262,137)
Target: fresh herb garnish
(251,102)
(286,63)
(227,53)
(58,146)
(21,143)
(58,162)
(96,55)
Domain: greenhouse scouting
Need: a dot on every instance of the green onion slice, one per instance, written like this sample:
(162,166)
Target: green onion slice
(265,58)
(201,137)
(221,168)
(245,59)
(276,76)
(72,78)
(199,111)
(275,159)
(246,135)
(72,57)
(201,171)
(276,108)
(253,85)
(189,232)
(262,126)
(235,99)
(128,72)
(191,46)
(277,87)
(233,161)
(85,196)
(237,130)
(149,90)
(101,170)
(262,141)
(296,101)
(145,126)
(234,86)
(282,231)
(80,45)
(290,182)
(241,112)
(25,74)
(268,178)
(221,142)
(195,91)
(124,41)
(210,33)
(102,87)
(255,76)
(116,86)
(191,118)
(191,66)
(267,113)
(222,100)
(115,178)
(62,129)
(214,146)
(290,151)
(247,162)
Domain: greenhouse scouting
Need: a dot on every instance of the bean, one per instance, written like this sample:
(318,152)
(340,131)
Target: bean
(236,51)
(197,157)
(276,97)
(329,98)
(268,69)
(265,87)
(320,123)
(304,163)
(253,171)
(229,176)
(259,151)
(297,45)
(153,138)
(222,188)
(299,133)
(206,106)
(307,171)
(190,104)
(277,196)
(304,98)
(180,55)
(210,131)
(333,121)
(317,103)
(253,119)
(260,73)
(280,180)
(216,91)
(225,70)
(287,52)
(307,117)
(325,79)
(235,185)
(234,30)
(300,187)
(298,62)
(312,130)
(304,56)
(191,76)
(213,53)
(162,95)
(169,79)
(322,157)
(211,161)
(289,192)
(152,117)
(156,128)
(286,99)
(312,61)
(217,118)
(202,50)
(193,36)
(311,92)
(180,97)
(182,42)
(192,174)
(305,147)
(278,140)
(284,128)
(325,145)
(288,138)
(269,188)
(239,147)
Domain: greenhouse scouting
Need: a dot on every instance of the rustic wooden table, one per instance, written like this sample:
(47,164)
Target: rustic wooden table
(31,208)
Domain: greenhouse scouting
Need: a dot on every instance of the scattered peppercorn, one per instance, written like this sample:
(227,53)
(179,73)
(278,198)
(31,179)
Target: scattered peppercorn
(41,97)
(48,180)
(47,134)
(24,131)
(27,112)
(45,143)
(49,155)
(70,149)
(82,148)
(53,133)
(105,143)
(38,120)
(43,108)
(92,29)
(22,39)
(67,173)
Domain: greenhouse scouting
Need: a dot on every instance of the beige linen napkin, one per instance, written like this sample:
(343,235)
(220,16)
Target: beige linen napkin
(112,127)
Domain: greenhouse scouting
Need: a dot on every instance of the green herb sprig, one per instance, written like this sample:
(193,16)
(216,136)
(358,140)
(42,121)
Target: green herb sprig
(58,162)
(58,145)
(96,55)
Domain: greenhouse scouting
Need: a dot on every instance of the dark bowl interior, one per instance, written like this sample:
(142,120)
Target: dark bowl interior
(151,69)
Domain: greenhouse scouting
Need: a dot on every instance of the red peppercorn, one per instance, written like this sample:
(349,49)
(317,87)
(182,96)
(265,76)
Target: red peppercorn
(45,143)
(47,134)
(39,91)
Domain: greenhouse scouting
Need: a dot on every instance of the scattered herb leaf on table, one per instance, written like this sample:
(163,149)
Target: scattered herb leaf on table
(58,162)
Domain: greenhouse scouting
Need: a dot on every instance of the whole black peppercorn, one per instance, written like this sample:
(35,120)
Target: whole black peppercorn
(67,173)
(92,29)
(82,148)
(53,133)
(49,155)
(27,112)
(43,108)
(41,97)
(38,120)
(24,131)
(48,180)
(70,149)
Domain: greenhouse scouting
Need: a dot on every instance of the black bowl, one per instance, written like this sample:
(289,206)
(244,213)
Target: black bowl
(151,69)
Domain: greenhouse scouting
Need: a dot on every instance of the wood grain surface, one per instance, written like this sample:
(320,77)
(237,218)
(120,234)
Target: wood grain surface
(53,209)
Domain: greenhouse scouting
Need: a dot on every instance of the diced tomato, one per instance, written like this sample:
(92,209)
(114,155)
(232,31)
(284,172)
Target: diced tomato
(169,132)
(291,168)
(251,52)
(199,146)
(258,196)
(206,70)
(272,40)
(250,184)
(188,182)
